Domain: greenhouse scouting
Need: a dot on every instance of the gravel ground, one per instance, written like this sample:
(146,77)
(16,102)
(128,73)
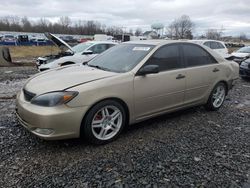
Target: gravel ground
(190,148)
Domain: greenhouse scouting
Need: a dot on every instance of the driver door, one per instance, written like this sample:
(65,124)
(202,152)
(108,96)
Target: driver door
(155,93)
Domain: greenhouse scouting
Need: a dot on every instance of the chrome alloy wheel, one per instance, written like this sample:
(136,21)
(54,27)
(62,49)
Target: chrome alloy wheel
(107,122)
(219,96)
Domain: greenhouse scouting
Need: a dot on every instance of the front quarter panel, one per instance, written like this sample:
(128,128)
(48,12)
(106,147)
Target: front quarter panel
(119,86)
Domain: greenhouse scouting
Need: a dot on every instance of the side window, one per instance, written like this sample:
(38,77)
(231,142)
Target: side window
(220,46)
(196,56)
(99,48)
(214,45)
(167,58)
(207,44)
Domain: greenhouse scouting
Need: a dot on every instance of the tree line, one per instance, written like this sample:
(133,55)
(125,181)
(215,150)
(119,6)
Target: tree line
(179,29)
(63,26)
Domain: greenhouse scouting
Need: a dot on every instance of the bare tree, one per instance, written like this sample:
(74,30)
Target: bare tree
(131,32)
(138,32)
(26,24)
(181,28)
(65,21)
(213,34)
(242,37)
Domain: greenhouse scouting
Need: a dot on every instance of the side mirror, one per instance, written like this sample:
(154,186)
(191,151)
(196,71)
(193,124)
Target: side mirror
(148,69)
(87,52)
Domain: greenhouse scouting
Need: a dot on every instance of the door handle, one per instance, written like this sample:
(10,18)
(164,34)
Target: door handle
(216,70)
(180,76)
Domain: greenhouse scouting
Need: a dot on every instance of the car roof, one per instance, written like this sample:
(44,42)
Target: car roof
(149,42)
(101,42)
(159,42)
(205,40)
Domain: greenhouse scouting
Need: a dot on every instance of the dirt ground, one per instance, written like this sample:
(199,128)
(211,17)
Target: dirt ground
(189,148)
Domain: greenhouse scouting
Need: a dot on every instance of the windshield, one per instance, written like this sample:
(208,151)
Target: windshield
(121,58)
(81,47)
(244,50)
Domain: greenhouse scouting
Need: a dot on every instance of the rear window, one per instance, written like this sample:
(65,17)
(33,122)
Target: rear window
(216,45)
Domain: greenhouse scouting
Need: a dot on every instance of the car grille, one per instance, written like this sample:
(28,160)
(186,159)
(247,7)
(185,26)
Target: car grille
(28,95)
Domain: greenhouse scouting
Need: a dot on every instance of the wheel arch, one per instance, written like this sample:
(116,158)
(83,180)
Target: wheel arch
(226,84)
(120,101)
(212,87)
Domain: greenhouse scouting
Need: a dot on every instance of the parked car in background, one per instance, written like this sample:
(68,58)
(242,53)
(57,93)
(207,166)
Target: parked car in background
(233,45)
(126,84)
(81,40)
(69,39)
(245,68)
(215,45)
(22,38)
(8,38)
(242,52)
(80,53)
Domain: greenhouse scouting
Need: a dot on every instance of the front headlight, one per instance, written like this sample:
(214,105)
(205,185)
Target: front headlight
(54,98)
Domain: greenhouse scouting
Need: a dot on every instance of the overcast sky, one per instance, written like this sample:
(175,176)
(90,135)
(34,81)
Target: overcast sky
(232,15)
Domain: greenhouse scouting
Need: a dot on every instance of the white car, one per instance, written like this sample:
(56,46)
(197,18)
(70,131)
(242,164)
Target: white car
(215,45)
(242,52)
(80,53)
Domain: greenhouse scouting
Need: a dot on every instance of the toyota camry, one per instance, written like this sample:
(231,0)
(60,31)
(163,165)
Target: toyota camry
(126,84)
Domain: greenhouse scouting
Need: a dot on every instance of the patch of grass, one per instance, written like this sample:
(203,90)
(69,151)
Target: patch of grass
(232,49)
(20,52)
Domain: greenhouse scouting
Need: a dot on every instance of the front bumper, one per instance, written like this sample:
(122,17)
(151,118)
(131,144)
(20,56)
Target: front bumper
(64,121)
(244,72)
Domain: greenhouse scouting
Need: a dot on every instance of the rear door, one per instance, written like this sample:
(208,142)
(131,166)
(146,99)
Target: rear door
(202,71)
(165,90)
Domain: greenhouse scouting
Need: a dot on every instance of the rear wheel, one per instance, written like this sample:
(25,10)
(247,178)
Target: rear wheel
(104,122)
(217,97)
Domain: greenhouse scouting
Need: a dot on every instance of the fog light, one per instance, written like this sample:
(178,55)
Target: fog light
(44,131)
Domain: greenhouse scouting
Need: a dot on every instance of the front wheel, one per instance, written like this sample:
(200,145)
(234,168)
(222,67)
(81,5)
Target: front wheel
(217,97)
(104,122)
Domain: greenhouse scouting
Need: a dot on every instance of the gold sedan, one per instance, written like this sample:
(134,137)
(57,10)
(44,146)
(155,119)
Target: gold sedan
(126,84)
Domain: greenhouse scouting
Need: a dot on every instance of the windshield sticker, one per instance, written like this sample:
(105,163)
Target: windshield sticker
(141,48)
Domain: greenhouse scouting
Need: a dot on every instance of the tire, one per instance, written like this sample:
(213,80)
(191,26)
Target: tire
(104,122)
(211,104)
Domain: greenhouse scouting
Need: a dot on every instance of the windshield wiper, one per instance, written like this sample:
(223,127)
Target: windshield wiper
(98,67)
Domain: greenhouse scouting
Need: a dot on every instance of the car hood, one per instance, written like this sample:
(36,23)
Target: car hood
(76,58)
(64,78)
(236,54)
(57,41)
